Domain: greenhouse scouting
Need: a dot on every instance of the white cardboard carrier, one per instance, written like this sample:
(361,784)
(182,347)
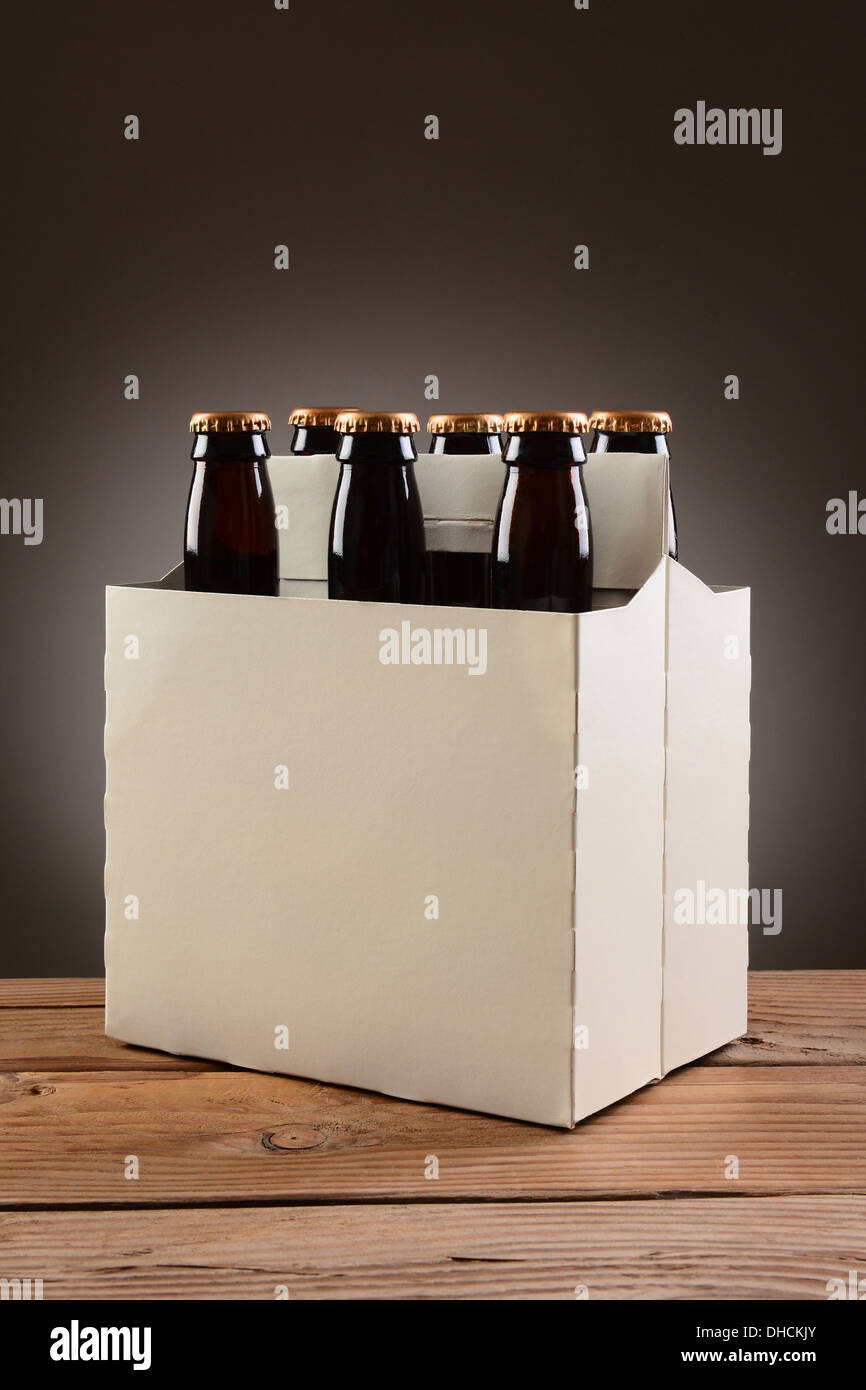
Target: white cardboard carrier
(466,892)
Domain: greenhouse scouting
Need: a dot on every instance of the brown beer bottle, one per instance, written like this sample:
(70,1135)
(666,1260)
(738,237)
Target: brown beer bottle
(636,432)
(376,549)
(230,544)
(461,578)
(314,428)
(542,541)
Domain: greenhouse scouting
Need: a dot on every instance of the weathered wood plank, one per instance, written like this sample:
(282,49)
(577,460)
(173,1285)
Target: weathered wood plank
(805,1018)
(801,1018)
(73,1039)
(754,1248)
(247,1137)
(52,993)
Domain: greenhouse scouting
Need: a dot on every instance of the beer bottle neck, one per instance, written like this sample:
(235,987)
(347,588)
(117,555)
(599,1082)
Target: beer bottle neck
(607,442)
(544,449)
(466,444)
(376,448)
(317,439)
(236,446)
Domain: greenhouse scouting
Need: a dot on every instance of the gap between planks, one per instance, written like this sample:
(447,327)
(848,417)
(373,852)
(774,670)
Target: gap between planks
(224,1137)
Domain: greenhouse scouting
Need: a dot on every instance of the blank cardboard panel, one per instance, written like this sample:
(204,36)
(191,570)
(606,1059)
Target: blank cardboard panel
(706,817)
(303,488)
(619,841)
(628,503)
(403,908)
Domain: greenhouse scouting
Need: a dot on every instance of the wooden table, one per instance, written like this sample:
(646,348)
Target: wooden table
(254,1186)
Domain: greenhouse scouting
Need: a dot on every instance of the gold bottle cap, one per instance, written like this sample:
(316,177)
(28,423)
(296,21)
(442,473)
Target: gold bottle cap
(229,422)
(482,422)
(376,422)
(545,421)
(631,421)
(309,417)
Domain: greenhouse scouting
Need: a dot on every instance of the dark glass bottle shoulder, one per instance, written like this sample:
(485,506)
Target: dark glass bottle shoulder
(608,442)
(230,539)
(317,439)
(237,446)
(543,449)
(376,549)
(542,543)
(372,447)
(465,444)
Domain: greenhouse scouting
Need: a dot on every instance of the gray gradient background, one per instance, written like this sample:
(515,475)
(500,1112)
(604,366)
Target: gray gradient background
(411,257)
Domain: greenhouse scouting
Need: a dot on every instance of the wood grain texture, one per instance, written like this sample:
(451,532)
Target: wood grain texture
(52,1038)
(755,1248)
(232,1136)
(801,1018)
(249,1181)
(56,993)
(798,1018)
